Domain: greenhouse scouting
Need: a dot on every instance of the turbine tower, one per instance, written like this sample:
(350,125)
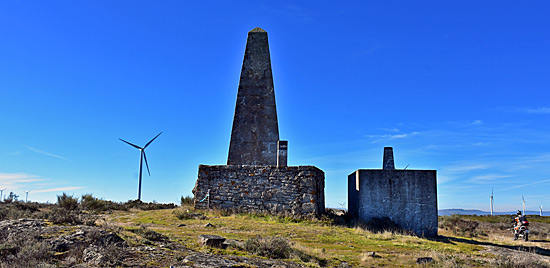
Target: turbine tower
(523,205)
(27,195)
(492,202)
(1,194)
(142,156)
(540,210)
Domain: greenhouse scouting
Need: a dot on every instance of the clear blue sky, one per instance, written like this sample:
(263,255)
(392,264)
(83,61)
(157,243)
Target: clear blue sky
(461,87)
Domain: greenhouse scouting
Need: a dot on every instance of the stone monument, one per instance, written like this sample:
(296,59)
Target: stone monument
(256,177)
(407,197)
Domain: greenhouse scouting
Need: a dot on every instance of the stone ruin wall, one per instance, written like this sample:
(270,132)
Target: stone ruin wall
(292,191)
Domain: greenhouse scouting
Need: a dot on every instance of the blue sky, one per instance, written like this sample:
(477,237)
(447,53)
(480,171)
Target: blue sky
(456,86)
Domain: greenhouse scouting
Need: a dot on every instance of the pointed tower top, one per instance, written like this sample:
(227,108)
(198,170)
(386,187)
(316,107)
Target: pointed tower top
(257,30)
(255,131)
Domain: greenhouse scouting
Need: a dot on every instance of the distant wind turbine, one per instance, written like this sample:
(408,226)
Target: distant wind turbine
(492,202)
(540,210)
(27,195)
(1,193)
(141,158)
(523,205)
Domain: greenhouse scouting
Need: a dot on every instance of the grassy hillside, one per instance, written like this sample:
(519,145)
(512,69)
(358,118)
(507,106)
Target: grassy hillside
(155,237)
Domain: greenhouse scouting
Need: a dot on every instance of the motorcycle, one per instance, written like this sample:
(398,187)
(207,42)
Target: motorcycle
(521,230)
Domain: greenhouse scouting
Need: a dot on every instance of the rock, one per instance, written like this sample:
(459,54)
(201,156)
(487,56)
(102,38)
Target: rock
(371,254)
(209,225)
(424,260)
(215,241)
(181,225)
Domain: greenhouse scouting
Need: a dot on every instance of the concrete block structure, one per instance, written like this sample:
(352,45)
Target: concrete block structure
(256,177)
(407,197)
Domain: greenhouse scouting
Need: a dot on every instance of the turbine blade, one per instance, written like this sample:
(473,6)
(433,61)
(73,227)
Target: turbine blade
(147,165)
(130,143)
(151,140)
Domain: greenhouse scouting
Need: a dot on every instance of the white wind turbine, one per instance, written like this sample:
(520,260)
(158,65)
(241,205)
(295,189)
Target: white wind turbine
(540,210)
(2,193)
(491,202)
(141,158)
(523,205)
(27,195)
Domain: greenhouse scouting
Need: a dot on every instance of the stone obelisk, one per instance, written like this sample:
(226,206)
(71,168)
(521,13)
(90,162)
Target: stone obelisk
(255,129)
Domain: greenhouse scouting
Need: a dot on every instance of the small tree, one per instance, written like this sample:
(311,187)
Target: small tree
(11,198)
(67,202)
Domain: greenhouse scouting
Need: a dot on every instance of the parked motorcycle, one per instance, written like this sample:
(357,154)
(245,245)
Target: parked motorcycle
(521,229)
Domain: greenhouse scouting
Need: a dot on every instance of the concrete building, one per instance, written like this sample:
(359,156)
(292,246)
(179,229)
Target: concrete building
(256,177)
(407,197)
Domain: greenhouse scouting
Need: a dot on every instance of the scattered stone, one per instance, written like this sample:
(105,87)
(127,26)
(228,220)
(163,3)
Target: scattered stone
(424,260)
(371,254)
(344,265)
(214,241)
(209,225)
(181,225)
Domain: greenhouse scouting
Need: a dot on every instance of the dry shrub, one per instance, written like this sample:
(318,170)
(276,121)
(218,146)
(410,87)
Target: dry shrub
(150,234)
(459,226)
(271,247)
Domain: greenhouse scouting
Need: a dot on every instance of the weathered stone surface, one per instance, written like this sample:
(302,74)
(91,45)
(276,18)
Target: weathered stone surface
(407,197)
(388,162)
(214,241)
(255,128)
(294,191)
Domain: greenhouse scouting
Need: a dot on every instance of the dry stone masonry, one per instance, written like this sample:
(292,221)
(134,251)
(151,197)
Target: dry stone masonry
(293,191)
(256,178)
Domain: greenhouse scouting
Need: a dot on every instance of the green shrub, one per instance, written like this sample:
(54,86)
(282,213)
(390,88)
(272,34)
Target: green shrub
(88,202)
(187,200)
(183,214)
(67,202)
(11,198)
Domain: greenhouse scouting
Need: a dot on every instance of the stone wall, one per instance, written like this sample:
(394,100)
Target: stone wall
(292,190)
(407,197)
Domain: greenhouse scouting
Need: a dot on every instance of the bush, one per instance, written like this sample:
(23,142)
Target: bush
(88,202)
(64,216)
(150,234)
(183,214)
(188,200)
(11,198)
(271,247)
(67,202)
(459,226)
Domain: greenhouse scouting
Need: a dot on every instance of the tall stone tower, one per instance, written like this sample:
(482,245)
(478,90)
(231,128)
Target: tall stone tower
(257,178)
(255,130)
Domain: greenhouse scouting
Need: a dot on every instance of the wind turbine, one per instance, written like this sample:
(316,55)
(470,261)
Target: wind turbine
(492,202)
(540,210)
(523,205)
(26,195)
(141,157)
(1,193)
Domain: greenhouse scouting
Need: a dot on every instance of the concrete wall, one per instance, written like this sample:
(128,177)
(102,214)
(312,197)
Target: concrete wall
(407,197)
(293,190)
